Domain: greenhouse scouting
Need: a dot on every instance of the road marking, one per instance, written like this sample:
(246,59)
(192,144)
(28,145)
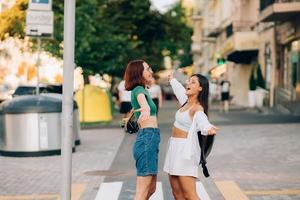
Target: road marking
(31,197)
(158,195)
(230,190)
(77,191)
(201,191)
(273,192)
(109,191)
(112,191)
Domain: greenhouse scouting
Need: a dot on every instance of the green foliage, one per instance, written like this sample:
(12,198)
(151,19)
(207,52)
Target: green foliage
(260,82)
(256,78)
(252,81)
(109,33)
(178,35)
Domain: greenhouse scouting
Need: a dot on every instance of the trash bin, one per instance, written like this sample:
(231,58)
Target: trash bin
(31,126)
(76,124)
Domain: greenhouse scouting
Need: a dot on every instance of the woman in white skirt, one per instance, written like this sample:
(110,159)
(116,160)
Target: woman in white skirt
(183,153)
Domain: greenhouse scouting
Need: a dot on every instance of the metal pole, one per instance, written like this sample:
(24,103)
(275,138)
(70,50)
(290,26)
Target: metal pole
(67,105)
(273,70)
(38,62)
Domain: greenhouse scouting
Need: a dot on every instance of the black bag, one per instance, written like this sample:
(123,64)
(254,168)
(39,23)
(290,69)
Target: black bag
(206,143)
(131,126)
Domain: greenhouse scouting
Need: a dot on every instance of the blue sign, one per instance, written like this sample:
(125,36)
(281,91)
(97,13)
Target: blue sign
(40,1)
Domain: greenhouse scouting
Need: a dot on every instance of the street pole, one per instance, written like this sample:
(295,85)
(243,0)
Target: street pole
(67,104)
(273,70)
(38,62)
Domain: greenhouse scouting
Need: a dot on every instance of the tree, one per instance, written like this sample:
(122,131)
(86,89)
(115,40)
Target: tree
(110,33)
(252,81)
(179,35)
(256,78)
(260,82)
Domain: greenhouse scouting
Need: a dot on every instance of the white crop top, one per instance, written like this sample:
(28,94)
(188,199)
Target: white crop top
(183,120)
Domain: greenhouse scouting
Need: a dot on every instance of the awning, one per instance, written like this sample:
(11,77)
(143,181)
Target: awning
(242,57)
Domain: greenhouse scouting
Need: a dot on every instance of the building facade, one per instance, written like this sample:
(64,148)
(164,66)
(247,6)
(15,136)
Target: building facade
(280,49)
(247,35)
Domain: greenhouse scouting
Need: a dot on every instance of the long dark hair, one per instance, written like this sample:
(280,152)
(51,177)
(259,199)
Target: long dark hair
(204,93)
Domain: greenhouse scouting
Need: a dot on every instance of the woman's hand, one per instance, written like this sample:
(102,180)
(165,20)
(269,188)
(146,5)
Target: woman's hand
(212,131)
(170,76)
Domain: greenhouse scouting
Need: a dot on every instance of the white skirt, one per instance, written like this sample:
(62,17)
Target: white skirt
(175,164)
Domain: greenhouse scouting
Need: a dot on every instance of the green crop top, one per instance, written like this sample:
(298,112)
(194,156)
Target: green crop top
(135,104)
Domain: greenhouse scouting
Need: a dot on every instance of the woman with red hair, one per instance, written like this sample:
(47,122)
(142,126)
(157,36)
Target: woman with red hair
(138,76)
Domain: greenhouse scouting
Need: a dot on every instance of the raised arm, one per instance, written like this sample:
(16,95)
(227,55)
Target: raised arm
(178,90)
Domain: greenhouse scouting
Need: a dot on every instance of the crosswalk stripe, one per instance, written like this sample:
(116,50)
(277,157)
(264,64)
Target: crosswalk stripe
(158,195)
(231,191)
(201,191)
(112,191)
(109,191)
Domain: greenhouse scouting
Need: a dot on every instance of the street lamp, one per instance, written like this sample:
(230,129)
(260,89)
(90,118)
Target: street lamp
(67,104)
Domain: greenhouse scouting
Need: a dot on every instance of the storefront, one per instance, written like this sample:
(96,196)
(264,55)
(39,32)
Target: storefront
(291,69)
(267,60)
(240,51)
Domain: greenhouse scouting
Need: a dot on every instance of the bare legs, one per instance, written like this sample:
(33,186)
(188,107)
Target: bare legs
(183,187)
(176,188)
(145,187)
(224,106)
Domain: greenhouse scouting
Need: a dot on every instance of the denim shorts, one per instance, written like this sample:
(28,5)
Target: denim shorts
(145,151)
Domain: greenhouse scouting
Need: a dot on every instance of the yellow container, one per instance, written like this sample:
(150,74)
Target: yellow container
(94,104)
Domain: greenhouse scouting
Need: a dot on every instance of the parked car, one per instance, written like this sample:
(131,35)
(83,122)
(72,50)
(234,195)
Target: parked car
(31,90)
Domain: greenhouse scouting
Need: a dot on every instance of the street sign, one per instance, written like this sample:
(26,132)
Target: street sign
(40,5)
(39,23)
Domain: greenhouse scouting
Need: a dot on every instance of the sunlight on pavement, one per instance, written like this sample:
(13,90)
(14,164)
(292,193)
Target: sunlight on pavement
(77,191)
(231,191)
(281,192)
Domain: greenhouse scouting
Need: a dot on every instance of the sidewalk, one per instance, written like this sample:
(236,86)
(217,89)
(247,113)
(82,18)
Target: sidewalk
(20,178)
(215,107)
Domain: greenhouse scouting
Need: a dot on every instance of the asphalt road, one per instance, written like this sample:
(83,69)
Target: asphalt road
(255,156)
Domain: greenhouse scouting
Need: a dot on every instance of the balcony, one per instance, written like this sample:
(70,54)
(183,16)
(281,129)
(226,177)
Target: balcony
(278,10)
(238,26)
(242,44)
(213,32)
(242,47)
(245,45)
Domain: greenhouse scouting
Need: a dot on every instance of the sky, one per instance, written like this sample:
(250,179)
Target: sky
(163,5)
